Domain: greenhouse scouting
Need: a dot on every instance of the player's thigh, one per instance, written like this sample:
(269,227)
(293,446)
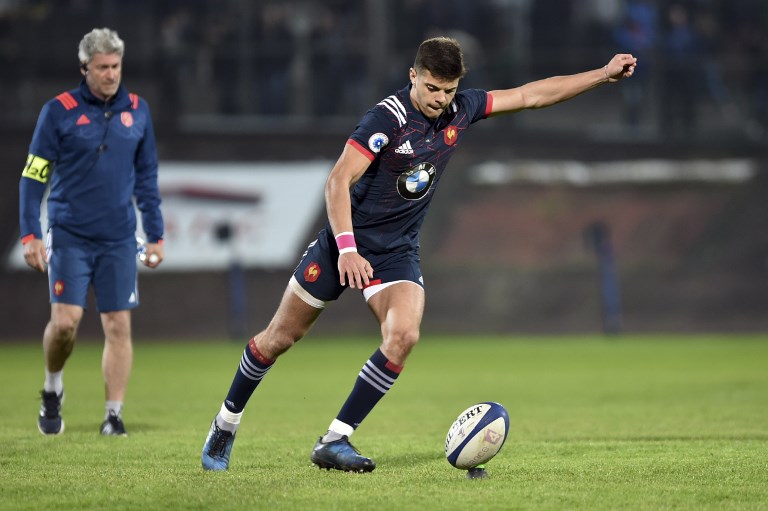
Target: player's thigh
(66,317)
(114,276)
(294,316)
(399,309)
(117,325)
(69,268)
(291,322)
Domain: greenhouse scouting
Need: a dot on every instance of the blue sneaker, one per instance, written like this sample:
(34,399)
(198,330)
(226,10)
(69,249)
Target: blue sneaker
(217,448)
(49,422)
(340,455)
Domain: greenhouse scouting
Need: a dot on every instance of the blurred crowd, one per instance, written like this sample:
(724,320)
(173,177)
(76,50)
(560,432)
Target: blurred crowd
(305,59)
(694,52)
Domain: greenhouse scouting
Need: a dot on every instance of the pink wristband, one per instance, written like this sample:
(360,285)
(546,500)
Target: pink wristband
(346,242)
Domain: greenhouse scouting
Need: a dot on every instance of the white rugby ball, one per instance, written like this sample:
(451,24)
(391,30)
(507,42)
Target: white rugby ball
(477,435)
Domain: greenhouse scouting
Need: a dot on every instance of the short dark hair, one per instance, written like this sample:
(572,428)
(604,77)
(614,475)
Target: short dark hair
(442,57)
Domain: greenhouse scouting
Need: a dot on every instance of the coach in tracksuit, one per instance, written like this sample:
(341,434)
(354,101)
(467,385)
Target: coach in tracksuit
(95,146)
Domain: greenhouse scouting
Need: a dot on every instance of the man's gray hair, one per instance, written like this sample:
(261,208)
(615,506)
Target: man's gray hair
(100,40)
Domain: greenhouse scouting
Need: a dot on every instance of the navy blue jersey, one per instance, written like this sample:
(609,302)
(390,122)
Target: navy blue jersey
(97,156)
(408,154)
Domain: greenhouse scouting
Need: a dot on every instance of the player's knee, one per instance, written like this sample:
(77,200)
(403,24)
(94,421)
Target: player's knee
(64,322)
(117,325)
(63,328)
(402,341)
(278,341)
(117,333)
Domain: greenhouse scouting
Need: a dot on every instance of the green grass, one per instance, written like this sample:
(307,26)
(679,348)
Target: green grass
(654,422)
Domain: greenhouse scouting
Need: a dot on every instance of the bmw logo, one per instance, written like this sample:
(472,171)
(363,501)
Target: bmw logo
(416,182)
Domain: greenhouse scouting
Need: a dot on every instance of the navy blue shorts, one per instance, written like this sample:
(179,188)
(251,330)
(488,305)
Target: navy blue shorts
(75,263)
(318,270)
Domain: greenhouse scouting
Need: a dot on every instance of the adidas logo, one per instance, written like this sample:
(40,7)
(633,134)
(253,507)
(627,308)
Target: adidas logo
(405,148)
(83,120)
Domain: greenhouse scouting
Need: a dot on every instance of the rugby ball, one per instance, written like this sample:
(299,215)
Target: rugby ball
(476,435)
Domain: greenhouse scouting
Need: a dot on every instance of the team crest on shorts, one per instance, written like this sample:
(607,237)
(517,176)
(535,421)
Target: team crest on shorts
(312,273)
(416,182)
(58,287)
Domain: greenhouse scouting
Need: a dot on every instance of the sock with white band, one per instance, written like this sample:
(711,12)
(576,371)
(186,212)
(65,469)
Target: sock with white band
(228,421)
(54,382)
(115,407)
(253,367)
(374,380)
(336,430)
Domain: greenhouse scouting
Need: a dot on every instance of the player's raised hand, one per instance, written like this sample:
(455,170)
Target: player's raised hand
(34,254)
(354,270)
(621,66)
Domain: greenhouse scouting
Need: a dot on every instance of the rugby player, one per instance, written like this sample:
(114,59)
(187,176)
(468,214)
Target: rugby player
(377,195)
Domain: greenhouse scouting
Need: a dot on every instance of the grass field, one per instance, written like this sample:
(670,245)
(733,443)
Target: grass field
(654,422)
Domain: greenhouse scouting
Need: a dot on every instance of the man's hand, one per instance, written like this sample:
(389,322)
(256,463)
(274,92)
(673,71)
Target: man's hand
(621,66)
(154,255)
(355,269)
(34,254)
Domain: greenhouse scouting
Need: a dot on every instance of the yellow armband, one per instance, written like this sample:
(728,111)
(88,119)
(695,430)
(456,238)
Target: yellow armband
(37,168)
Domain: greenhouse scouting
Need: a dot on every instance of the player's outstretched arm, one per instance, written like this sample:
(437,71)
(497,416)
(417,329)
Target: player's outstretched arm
(550,91)
(354,269)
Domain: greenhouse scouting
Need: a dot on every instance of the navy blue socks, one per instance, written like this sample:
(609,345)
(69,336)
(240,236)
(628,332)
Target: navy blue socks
(253,367)
(374,380)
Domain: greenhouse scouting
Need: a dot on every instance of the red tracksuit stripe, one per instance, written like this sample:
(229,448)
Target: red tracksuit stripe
(66,99)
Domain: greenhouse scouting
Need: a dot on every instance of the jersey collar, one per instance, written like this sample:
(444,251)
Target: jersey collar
(118,102)
(413,111)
